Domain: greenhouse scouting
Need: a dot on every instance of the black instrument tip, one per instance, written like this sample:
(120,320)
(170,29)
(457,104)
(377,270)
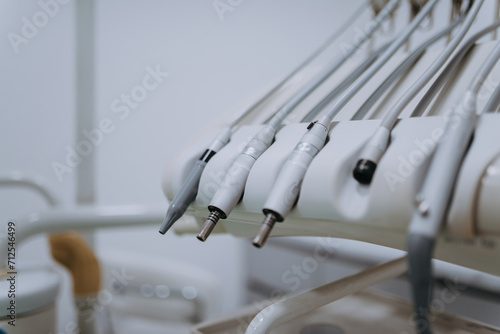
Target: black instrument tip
(364,170)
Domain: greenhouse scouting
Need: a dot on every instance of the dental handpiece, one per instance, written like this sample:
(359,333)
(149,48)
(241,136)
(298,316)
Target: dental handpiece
(233,184)
(433,201)
(377,144)
(286,188)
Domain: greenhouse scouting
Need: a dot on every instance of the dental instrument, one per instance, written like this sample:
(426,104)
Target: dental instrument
(285,191)
(435,196)
(378,143)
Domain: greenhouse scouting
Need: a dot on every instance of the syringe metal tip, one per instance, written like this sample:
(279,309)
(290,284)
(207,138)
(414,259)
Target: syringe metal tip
(364,170)
(209,225)
(265,230)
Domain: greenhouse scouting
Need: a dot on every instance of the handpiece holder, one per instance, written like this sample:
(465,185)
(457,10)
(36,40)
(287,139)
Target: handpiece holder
(332,203)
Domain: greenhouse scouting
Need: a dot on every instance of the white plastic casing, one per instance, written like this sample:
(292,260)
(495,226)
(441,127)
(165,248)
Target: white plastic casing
(474,209)
(232,187)
(332,203)
(433,200)
(286,189)
(221,140)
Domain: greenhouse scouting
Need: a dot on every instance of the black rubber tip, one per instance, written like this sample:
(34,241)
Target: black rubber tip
(364,170)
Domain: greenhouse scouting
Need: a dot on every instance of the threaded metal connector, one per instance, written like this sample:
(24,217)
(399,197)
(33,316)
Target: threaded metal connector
(209,225)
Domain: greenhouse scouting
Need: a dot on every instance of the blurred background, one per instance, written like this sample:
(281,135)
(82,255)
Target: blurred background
(215,60)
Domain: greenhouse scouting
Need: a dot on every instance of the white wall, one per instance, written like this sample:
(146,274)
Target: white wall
(213,64)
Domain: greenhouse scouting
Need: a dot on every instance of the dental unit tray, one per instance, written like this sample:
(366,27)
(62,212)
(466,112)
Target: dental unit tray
(331,203)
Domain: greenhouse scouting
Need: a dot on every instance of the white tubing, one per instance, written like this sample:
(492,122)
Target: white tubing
(375,148)
(293,307)
(83,218)
(19,179)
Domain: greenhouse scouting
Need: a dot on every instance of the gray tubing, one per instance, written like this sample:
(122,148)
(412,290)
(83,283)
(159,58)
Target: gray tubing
(343,85)
(390,119)
(444,75)
(367,75)
(303,65)
(493,102)
(280,115)
(402,68)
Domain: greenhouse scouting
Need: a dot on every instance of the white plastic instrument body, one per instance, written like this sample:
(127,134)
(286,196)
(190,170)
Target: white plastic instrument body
(332,203)
(286,188)
(231,189)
